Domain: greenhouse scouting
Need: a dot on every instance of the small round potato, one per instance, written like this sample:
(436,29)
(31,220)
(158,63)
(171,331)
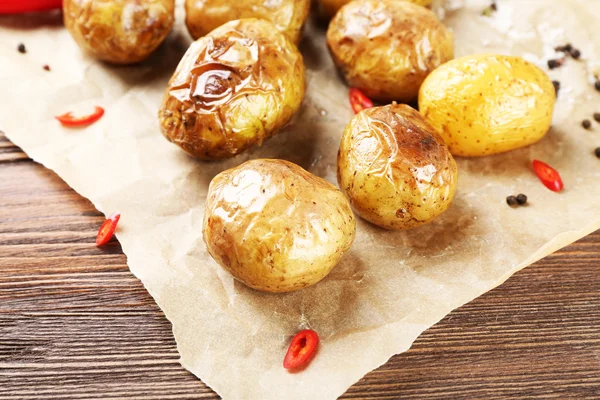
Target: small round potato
(330,7)
(275,226)
(119,31)
(386,48)
(487,104)
(234,88)
(202,16)
(395,168)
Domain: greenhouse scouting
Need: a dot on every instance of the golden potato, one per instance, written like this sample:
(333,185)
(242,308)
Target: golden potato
(275,226)
(395,168)
(488,104)
(202,16)
(330,7)
(119,31)
(234,88)
(386,48)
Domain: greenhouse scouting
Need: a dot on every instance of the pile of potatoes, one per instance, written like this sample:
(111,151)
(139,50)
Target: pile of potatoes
(270,223)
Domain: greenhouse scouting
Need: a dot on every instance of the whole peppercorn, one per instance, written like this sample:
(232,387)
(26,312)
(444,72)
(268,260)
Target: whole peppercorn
(575,53)
(554,63)
(597,152)
(556,85)
(597,117)
(21,48)
(597,85)
(586,124)
(511,201)
(522,199)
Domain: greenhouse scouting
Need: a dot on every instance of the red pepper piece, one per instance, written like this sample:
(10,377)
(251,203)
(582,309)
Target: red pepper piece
(302,349)
(359,101)
(22,6)
(107,230)
(548,175)
(70,120)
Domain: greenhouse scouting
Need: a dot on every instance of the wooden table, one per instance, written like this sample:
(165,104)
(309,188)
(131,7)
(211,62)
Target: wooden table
(76,324)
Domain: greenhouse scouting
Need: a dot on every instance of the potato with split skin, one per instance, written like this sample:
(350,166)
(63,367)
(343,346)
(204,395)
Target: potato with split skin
(395,168)
(386,48)
(330,7)
(275,226)
(488,104)
(202,16)
(233,89)
(119,31)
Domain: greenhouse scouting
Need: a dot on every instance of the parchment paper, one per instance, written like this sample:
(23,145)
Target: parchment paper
(392,285)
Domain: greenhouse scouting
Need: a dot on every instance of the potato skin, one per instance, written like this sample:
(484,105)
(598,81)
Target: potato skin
(275,226)
(330,7)
(234,88)
(119,31)
(386,48)
(487,104)
(395,168)
(202,16)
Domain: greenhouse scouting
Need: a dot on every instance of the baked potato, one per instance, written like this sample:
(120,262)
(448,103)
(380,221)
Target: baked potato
(202,16)
(386,48)
(119,31)
(275,226)
(395,168)
(234,88)
(488,104)
(330,7)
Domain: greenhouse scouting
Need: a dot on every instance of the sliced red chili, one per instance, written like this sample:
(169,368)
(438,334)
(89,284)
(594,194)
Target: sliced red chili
(70,120)
(107,229)
(548,175)
(21,6)
(302,349)
(359,101)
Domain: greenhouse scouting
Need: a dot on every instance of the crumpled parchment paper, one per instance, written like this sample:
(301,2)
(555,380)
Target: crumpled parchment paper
(391,286)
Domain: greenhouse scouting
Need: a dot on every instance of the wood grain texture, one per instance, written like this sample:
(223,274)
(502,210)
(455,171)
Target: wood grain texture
(76,324)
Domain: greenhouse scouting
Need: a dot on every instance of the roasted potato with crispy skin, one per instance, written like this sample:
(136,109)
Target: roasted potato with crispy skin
(386,48)
(330,7)
(202,16)
(488,104)
(119,31)
(234,88)
(275,226)
(395,168)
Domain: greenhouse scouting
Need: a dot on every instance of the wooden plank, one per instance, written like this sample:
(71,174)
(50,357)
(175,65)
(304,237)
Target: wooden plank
(75,324)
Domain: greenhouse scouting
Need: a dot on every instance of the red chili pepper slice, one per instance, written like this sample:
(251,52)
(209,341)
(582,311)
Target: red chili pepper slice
(548,175)
(21,6)
(70,120)
(107,230)
(359,101)
(302,349)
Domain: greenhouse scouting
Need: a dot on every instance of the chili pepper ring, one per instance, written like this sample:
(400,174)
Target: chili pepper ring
(301,350)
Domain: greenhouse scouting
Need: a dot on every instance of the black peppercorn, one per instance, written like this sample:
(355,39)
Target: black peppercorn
(597,152)
(586,124)
(522,199)
(597,116)
(575,53)
(512,201)
(555,63)
(566,48)
(22,48)
(556,86)
(597,85)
